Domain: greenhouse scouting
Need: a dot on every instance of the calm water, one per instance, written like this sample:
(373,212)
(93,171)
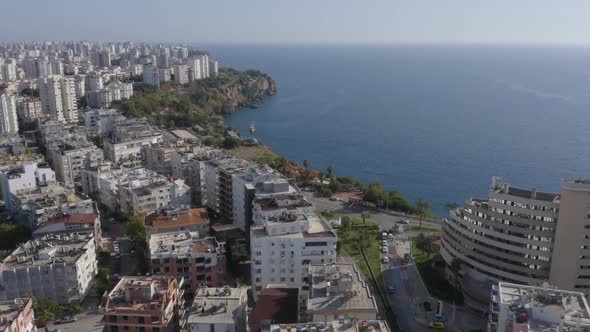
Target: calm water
(432,122)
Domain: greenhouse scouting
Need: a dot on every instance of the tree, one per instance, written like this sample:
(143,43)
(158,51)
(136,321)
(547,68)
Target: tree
(365,215)
(330,172)
(101,281)
(425,243)
(421,207)
(451,205)
(346,225)
(306,164)
(374,193)
(231,142)
(13,234)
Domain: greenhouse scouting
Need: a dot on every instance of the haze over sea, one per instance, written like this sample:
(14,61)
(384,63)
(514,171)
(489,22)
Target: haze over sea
(434,122)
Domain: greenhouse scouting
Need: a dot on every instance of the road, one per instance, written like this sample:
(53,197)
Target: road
(385,220)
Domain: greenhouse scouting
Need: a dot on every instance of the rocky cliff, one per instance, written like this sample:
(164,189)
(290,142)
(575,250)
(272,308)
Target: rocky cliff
(248,91)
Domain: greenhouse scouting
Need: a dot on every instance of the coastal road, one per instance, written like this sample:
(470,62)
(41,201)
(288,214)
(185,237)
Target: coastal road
(385,220)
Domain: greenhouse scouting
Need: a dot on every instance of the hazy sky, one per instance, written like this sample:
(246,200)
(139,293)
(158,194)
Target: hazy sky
(300,21)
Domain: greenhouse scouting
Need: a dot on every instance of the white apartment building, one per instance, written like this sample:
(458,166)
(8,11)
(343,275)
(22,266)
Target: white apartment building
(8,118)
(59,267)
(218,181)
(218,310)
(165,74)
(181,74)
(101,120)
(213,68)
(58,97)
(283,244)
(140,190)
(128,153)
(28,176)
(515,308)
(89,178)
(8,71)
(69,160)
(151,75)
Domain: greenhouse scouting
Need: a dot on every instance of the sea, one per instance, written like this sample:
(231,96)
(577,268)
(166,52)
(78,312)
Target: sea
(433,122)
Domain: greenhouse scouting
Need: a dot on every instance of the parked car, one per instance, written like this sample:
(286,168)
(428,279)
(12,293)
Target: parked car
(67,319)
(384,250)
(437,325)
(384,243)
(390,236)
(385,260)
(390,289)
(404,221)
(383,235)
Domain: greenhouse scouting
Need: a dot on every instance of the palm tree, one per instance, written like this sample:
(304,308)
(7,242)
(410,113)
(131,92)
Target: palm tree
(421,208)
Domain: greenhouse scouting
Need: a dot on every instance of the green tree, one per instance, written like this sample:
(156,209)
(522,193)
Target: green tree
(375,193)
(421,207)
(346,225)
(101,281)
(231,142)
(13,234)
(425,243)
(365,215)
(330,172)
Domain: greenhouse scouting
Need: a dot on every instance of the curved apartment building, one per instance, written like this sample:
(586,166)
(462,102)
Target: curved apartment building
(506,237)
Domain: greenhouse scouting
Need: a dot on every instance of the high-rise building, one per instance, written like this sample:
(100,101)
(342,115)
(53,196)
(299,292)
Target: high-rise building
(8,118)
(181,74)
(17,315)
(285,239)
(570,266)
(8,72)
(507,237)
(58,97)
(151,75)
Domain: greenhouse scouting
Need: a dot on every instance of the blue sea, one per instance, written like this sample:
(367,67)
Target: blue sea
(434,122)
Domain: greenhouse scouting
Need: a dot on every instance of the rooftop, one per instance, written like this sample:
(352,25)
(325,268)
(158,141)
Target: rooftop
(542,308)
(279,305)
(315,227)
(141,293)
(217,305)
(338,287)
(178,218)
(501,187)
(47,250)
(10,310)
(182,243)
(343,325)
(282,201)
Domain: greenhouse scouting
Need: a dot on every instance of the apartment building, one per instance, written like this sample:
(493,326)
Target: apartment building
(17,315)
(200,261)
(218,182)
(151,75)
(29,175)
(58,97)
(144,304)
(126,141)
(54,266)
(181,74)
(507,237)
(157,157)
(69,223)
(101,121)
(515,308)
(140,190)
(570,264)
(285,239)
(218,310)
(181,219)
(29,109)
(70,158)
(338,291)
(89,178)
(8,118)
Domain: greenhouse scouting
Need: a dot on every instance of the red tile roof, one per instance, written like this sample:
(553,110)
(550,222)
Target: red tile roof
(71,219)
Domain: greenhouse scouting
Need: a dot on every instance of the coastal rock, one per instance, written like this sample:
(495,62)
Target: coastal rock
(248,92)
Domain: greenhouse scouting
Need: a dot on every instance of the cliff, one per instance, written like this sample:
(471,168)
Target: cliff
(248,91)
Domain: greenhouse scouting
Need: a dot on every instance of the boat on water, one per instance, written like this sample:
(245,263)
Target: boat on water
(252,127)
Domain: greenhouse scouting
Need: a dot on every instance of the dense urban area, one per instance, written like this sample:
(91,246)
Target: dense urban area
(129,206)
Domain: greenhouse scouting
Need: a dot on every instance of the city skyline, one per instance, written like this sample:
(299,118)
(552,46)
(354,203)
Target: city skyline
(328,22)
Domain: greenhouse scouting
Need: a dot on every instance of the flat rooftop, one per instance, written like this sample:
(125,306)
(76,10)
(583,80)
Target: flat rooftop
(317,228)
(345,325)
(542,308)
(141,293)
(47,250)
(282,201)
(10,311)
(182,243)
(217,305)
(338,287)
(197,216)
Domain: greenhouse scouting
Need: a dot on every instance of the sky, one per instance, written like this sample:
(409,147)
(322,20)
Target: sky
(300,21)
